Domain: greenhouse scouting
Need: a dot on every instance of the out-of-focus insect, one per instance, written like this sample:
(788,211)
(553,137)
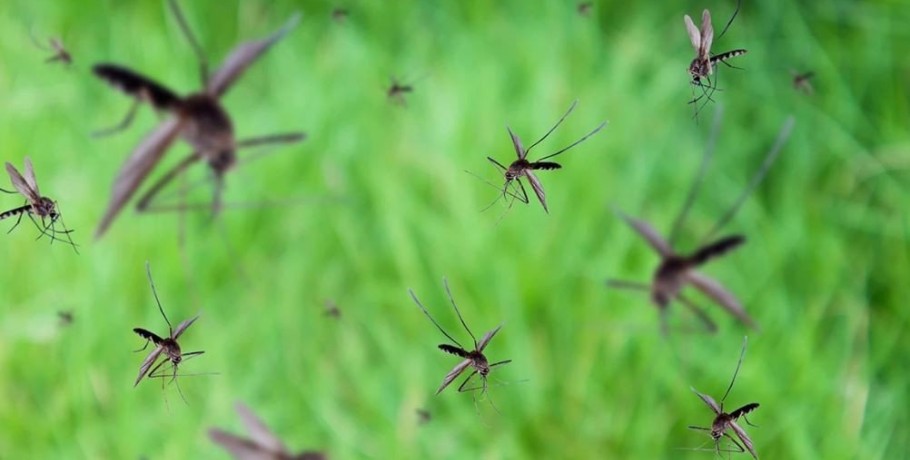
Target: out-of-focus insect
(36,205)
(397,91)
(676,270)
(54,45)
(332,310)
(473,358)
(724,421)
(801,81)
(163,345)
(340,14)
(262,443)
(522,167)
(584,8)
(423,416)
(702,66)
(198,118)
(66,317)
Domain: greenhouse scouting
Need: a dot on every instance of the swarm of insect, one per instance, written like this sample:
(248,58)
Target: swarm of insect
(702,66)
(473,358)
(35,205)
(724,421)
(198,118)
(522,167)
(676,270)
(163,345)
(262,443)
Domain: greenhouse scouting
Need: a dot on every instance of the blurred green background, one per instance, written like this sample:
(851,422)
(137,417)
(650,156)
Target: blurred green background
(377,201)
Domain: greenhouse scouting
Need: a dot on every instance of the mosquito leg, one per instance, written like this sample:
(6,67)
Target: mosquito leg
(740,448)
(143,204)
(524,195)
(628,285)
(700,313)
(286,138)
(748,422)
(19,219)
(185,28)
(125,123)
(700,428)
(143,347)
(461,388)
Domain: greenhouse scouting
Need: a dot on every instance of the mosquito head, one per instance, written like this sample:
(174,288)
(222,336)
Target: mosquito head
(517,169)
(480,363)
(699,68)
(719,426)
(46,207)
(223,161)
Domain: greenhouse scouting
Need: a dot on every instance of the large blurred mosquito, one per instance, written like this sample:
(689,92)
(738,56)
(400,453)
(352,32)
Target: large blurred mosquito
(166,345)
(262,443)
(54,45)
(676,270)
(724,421)
(522,167)
(702,66)
(36,205)
(474,358)
(199,119)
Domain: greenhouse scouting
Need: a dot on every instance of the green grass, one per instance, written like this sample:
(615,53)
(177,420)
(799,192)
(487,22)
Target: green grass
(380,203)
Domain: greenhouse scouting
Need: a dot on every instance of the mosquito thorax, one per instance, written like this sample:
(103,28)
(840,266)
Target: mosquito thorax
(699,68)
(667,280)
(46,207)
(207,127)
(517,169)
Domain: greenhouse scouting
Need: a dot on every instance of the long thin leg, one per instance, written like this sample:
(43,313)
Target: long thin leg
(149,195)
(148,272)
(147,341)
(125,123)
(699,178)
(628,285)
(427,313)
(185,28)
(699,312)
(462,389)
(18,219)
(571,108)
(739,363)
(738,4)
(445,283)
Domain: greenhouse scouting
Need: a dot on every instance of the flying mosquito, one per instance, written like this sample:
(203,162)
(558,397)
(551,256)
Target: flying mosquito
(676,270)
(262,443)
(522,167)
(331,309)
(340,15)
(36,205)
(801,82)
(424,416)
(198,118)
(166,345)
(702,66)
(724,421)
(65,317)
(397,91)
(54,45)
(474,358)
(584,8)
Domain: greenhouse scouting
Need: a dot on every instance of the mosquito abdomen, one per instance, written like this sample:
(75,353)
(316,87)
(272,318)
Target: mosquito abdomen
(453,350)
(717,248)
(137,85)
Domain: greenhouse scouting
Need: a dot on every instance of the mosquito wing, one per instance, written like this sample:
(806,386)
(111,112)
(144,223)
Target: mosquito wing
(241,448)
(741,434)
(487,337)
(136,168)
(538,189)
(650,235)
(30,177)
(519,150)
(719,294)
(243,56)
(258,431)
(183,327)
(453,374)
(708,400)
(694,34)
(707,35)
(21,184)
(148,363)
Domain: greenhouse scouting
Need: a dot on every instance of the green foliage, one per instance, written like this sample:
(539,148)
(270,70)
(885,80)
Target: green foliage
(376,201)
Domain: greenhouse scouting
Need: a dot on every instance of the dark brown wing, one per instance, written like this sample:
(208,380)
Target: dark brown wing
(241,448)
(487,337)
(741,434)
(719,294)
(183,327)
(243,56)
(708,400)
(538,189)
(136,168)
(148,363)
(650,235)
(21,184)
(453,374)
(137,85)
(258,431)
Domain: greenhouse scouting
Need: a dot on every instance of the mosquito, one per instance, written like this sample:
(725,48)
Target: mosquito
(65,317)
(584,8)
(339,14)
(36,205)
(702,66)
(474,358)
(198,118)
(262,443)
(54,45)
(424,416)
(522,167)
(676,270)
(801,82)
(167,345)
(332,310)
(724,421)
(397,92)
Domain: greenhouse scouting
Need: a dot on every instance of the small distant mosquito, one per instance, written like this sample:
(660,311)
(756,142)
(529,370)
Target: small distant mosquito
(677,270)
(331,309)
(702,66)
(199,119)
(724,421)
(801,82)
(397,91)
(36,205)
(340,14)
(262,443)
(166,345)
(424,416)
(54,45)
(524,168)
(66,317)
(584,8)
(474,358)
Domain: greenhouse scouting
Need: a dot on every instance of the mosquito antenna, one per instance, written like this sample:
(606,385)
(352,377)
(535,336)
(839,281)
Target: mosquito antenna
(693,190)
(738,4)
(452,299)
(571,108)
(425,312)
(185,28)
(742,354)
(759,176)
(148,270)
(576,142)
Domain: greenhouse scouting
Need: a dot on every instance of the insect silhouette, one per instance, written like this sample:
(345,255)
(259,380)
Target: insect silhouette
(676,270)
(54,45)
(339,14)
(65,317)
(724,421)
(332,310)
(702,66)
(424,416)
(397,91)
(167,346)
(801,82)
(36,205)
(262,443)
(473,358)
(522,167)
(198,118)
(584,8)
